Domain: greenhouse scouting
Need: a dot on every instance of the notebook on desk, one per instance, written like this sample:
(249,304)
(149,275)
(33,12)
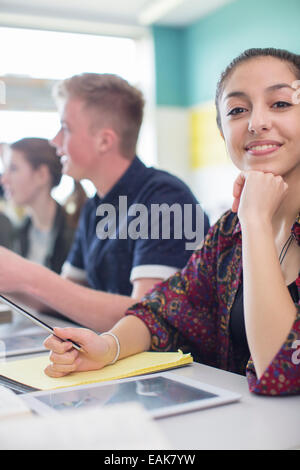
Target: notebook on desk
(28,374)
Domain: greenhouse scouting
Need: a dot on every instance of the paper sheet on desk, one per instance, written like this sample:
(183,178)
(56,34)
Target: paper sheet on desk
(31,371)
(117,427)
(11,405)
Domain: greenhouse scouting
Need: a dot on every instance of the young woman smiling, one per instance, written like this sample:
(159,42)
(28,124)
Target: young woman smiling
(236,304)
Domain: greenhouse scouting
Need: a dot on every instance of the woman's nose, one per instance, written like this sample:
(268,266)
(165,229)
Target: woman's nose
(259,121)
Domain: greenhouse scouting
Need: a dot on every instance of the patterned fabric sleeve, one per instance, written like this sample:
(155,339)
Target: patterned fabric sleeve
(282,377)
(178,311)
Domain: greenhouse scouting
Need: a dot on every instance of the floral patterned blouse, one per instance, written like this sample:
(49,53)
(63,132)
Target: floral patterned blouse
(191,311)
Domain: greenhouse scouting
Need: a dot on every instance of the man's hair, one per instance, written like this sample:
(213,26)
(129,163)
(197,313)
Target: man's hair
(117,103)
(293,60)
(38,152)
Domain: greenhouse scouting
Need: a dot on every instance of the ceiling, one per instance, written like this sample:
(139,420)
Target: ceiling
(93,15)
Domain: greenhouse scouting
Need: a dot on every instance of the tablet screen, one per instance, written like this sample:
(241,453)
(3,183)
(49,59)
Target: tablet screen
(154,394)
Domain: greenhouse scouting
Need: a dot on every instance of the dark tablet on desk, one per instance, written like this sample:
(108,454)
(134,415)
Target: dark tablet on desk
(16,345)
(16,387)
(160,394)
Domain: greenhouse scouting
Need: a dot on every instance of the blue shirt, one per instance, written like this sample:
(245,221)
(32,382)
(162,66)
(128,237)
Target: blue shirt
(111,263)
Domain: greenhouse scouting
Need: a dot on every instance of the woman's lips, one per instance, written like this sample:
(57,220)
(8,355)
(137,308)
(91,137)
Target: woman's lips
(262,148)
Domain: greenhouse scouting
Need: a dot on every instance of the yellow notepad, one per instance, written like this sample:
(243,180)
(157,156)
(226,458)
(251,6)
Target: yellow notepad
(30,372)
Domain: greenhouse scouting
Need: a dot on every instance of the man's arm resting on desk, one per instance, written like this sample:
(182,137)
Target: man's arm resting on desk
(91,308)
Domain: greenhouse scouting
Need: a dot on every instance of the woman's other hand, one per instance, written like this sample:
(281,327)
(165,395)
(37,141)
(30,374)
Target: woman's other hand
(96,351)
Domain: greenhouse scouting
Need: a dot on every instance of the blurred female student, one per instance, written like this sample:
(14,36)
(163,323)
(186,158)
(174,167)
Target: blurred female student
(33,170)
(235,305)
(6,227)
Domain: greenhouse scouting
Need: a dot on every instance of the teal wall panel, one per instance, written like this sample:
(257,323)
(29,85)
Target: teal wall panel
(169,60)
(189,60)
(211,43)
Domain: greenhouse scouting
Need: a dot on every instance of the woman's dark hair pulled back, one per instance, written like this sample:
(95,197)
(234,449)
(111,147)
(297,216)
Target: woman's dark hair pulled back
(293,60)
(38,152)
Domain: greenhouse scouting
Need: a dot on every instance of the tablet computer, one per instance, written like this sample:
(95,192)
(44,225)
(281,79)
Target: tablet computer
(161,394)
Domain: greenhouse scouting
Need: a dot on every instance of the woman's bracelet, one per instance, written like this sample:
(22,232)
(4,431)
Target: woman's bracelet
(118,346)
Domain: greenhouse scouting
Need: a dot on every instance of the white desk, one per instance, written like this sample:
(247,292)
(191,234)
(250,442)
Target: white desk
(256,422)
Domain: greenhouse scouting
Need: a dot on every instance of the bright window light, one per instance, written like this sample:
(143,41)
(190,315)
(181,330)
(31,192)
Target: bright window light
(15,125)
(56,55)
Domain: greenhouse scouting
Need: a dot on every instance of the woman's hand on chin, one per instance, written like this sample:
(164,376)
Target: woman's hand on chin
(257,196)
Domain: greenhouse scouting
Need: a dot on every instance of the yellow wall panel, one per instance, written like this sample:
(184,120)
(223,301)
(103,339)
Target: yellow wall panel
(207,147)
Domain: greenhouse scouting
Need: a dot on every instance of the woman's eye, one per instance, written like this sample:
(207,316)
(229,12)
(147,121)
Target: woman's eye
(281,104)
(236,111)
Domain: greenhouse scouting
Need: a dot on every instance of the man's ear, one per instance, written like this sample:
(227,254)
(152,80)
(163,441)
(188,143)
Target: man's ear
(106,140)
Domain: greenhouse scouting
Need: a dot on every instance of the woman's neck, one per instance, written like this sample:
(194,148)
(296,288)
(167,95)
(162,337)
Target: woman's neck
(287,249)
(290,207)
(43,212)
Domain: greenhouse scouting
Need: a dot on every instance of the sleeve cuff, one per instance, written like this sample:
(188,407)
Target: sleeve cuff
(282,376)
(70,271)
(156,271)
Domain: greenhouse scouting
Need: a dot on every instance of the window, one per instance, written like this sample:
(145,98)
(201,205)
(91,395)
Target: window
(55,56)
